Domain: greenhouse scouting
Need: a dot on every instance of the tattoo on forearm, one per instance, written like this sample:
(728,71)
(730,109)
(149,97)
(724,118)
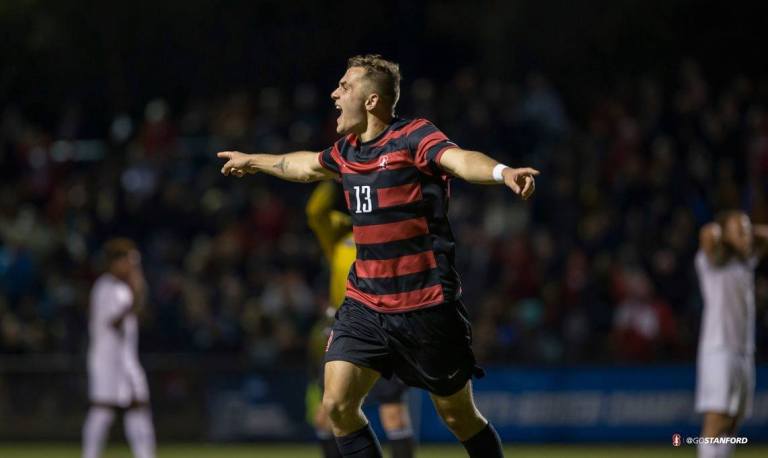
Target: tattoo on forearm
(281,166)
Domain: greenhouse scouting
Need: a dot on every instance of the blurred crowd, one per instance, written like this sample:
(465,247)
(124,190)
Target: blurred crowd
(597,268)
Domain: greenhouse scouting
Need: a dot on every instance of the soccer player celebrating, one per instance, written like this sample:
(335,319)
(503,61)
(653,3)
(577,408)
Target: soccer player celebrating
(333,229)
(116,380)
(725,380)
(402,314)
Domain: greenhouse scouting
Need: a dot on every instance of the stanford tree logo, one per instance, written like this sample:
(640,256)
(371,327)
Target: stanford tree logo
(676,440)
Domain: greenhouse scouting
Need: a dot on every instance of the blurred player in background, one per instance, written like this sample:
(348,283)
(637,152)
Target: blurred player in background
(402,313)
(333,229)
(728,254)
(117,382)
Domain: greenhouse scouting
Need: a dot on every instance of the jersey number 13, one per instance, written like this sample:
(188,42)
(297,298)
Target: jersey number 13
(363,199)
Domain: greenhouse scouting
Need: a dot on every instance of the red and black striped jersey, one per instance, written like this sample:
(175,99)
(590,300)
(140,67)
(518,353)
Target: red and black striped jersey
(398,198)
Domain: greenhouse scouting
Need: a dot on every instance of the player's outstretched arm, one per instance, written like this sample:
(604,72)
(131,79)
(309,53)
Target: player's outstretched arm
(301,166)
(476,167)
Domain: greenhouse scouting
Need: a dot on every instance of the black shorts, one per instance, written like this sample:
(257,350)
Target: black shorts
(384,391)
(428,348)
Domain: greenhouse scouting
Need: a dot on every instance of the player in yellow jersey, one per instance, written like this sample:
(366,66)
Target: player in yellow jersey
(333,229)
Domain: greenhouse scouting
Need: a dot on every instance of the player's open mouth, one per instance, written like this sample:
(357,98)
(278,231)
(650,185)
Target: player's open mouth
(338,107)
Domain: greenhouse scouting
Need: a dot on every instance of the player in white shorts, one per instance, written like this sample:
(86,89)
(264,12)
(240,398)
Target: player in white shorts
(116,379)
(728,254)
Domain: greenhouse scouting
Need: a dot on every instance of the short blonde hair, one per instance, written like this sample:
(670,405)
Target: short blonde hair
(384,74)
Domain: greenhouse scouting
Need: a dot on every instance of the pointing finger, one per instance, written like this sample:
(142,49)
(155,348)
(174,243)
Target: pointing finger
(528,171)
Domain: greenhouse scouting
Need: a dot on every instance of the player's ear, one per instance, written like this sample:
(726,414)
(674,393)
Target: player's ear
(372,101)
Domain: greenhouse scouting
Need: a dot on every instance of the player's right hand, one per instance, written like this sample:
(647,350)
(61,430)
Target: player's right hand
(238,164)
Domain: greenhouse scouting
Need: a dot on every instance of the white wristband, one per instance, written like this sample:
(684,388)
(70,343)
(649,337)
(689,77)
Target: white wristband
(497,176)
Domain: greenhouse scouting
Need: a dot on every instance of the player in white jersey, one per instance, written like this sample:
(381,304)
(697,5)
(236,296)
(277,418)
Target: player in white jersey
(728,253)
(116,380)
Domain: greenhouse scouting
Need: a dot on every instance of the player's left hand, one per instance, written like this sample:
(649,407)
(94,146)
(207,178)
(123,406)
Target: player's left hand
(521,180)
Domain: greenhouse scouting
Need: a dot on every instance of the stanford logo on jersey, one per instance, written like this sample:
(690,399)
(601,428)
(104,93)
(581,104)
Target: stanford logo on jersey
(384,162)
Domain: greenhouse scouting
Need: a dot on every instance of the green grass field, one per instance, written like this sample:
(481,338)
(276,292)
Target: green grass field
(292,451)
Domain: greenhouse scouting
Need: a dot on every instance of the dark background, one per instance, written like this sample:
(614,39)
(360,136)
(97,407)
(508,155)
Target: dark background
(117,55)
(646,118)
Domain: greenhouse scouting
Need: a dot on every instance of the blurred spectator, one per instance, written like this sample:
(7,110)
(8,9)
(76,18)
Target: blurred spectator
(644,326)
